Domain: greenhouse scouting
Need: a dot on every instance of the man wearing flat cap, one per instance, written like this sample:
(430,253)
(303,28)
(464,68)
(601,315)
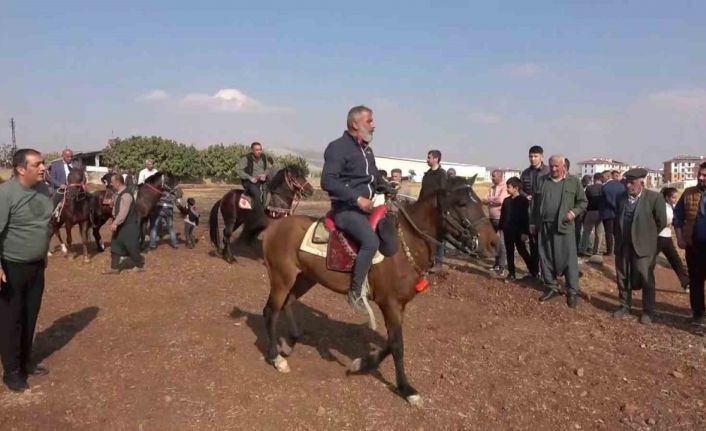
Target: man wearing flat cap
(640,215)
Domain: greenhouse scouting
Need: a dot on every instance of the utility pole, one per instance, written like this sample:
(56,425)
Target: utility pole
(14,141)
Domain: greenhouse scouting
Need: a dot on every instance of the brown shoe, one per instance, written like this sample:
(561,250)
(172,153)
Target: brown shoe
(136,269)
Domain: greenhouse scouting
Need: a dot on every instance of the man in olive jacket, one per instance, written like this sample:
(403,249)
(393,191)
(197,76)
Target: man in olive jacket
(641,214)
(558,200)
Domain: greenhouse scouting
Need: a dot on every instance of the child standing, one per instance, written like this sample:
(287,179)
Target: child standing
(665,243)
(191,220)
(514,224)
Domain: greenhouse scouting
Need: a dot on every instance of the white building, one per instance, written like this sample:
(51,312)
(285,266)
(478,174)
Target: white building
(598,164)
(682,168)
(415,168)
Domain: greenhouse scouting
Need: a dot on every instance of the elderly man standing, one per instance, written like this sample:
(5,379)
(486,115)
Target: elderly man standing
(558,200)
(147,172)
(690,226)
(25,209)
(494,199)
(641,215)
(253,170)
(125,228)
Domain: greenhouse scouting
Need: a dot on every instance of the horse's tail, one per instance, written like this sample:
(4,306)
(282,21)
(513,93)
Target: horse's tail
(213,225)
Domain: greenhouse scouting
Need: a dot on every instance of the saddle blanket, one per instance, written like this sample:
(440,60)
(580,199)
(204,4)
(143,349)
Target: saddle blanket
(316,242)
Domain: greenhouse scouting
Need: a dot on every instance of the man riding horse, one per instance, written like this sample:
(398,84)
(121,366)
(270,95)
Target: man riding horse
(349,176)
(254,170)
(59,174)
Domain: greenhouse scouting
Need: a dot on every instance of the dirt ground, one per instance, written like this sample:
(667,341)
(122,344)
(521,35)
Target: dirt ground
(181,347)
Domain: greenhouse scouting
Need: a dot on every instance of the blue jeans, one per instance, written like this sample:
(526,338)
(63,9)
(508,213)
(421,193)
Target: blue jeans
(355,223)
(166,215)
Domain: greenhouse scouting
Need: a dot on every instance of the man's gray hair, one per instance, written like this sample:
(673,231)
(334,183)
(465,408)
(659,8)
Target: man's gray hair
(355,112)
(558,157)
(149,161)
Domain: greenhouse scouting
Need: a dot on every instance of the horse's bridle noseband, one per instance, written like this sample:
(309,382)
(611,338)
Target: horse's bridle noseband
(469,237)
(297,190)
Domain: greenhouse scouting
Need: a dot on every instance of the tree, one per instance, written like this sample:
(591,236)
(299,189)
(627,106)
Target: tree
(5,155)
(221,161)
(131,153)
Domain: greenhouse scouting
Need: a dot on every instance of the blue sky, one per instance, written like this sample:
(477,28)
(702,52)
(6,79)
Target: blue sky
(481,82)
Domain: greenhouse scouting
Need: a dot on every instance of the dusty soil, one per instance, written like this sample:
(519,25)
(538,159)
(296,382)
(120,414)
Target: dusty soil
(180,347)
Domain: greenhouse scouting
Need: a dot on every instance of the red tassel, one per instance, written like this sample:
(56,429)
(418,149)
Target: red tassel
(421,285)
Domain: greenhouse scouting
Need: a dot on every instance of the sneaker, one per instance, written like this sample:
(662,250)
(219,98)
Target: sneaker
(510,278)
(435,269)
(136,269)
(645,319)
(355,300)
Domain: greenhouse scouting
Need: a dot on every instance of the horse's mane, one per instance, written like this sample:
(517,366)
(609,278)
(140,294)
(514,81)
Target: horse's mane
(154,177)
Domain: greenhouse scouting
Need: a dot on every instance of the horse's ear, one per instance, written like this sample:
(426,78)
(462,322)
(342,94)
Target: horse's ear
(472,180)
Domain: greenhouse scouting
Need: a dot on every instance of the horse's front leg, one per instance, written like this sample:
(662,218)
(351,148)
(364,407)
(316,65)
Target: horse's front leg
(393,314)
(97,236)
(69,240)
(83,228)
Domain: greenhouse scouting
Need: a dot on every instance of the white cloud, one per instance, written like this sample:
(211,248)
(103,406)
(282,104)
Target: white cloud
(227,100)
(525,70)
(154,95)
(485,118)
(693,100)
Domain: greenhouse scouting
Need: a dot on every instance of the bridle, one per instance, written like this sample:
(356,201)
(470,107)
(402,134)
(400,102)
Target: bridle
(296,188)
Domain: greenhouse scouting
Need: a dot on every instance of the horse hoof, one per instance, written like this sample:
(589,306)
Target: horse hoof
(284,348)
(415,401)
(281,365)
(86,260)
(356,365)
(64,250)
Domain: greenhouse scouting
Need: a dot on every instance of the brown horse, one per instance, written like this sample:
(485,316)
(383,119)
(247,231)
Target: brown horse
(100,214)
(454,213)
(287,188)
(148,196)
(75,201)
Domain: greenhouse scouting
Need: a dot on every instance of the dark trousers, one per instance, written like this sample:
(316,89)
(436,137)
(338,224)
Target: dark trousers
(634,272)
(189,234)
(253,190)
(512,240)
(20,300)
(696,261)
(534,250)
(578,228)
(609,228)
(666,246)
(355,223)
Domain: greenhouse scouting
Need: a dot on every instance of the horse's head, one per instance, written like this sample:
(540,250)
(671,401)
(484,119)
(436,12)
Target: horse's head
(463,220)
(76,184)
(169,180)
(295,177)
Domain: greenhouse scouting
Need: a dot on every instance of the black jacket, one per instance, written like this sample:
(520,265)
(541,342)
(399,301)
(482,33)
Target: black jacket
(529,179)
(349,170)
(514,215)
(433,181)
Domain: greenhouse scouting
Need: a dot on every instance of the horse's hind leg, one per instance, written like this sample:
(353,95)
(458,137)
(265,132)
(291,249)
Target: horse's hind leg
(301,286)
(228,230)
(69,240)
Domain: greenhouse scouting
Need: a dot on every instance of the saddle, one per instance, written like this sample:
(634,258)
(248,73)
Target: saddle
(342,251)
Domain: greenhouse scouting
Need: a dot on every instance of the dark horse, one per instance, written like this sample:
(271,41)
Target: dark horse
(101,212)
(287,188)
(454,213)
(75,209)
(148,196)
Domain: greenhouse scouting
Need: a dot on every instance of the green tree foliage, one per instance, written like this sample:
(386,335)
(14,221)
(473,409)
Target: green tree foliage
(221,161)
(131,153)
(292,159)
(217,162)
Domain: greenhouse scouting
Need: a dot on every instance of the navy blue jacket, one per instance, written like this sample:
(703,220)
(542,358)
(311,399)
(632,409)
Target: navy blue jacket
(57,176)
(349,170)
(609,204)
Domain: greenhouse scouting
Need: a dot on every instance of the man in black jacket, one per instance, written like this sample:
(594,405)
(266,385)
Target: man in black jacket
(529,177)
(434,180)
(349,176)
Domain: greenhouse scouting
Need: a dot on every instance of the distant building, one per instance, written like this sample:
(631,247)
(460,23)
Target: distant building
(597,164)
(682,168)
(415,168)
